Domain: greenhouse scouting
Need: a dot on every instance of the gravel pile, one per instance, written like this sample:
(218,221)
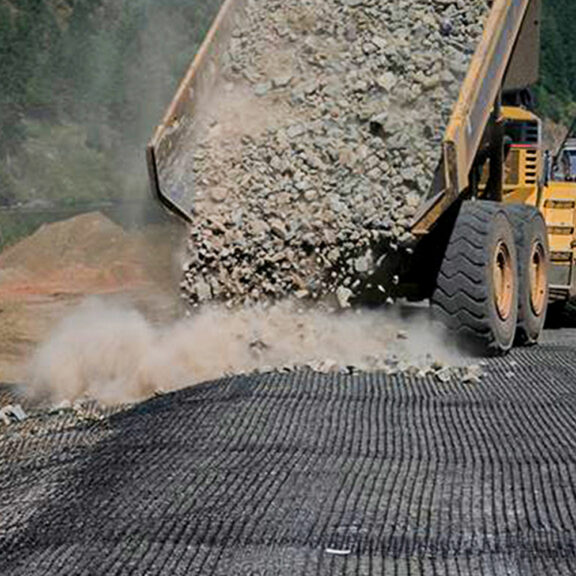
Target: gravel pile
(319,143)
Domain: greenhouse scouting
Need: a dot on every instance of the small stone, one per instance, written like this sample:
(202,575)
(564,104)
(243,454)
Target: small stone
(311,195)
(343,296)
(278,228)
(446,27)
(379,42)
(218,194)
(12,413)
(262,89)
(295,131)
(444,375)
(203,291)
(387,81)
(364,263)
(282,81)
(473,374)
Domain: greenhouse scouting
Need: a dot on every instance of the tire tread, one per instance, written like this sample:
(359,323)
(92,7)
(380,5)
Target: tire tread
(460,298)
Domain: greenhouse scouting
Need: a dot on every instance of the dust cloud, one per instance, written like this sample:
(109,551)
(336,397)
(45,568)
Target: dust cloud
(110,352)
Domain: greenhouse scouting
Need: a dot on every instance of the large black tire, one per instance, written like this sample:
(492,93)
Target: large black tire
(533,260)
(476,293)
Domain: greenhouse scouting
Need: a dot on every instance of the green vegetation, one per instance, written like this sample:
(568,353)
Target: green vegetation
(83,83)
(556,93)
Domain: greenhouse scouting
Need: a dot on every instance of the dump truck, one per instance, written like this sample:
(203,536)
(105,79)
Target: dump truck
(493,242)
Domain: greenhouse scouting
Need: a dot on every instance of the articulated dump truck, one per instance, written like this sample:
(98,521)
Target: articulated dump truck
(494,238)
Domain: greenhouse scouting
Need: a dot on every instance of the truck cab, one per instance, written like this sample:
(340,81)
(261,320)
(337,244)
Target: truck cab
(528,181)
(565,165)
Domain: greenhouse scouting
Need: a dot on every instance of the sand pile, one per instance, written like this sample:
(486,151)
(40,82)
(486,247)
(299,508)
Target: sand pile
(319,142)
(46,275)
(86,254)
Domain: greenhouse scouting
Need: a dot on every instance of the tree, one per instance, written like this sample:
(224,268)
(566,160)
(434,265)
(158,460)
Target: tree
(557,88)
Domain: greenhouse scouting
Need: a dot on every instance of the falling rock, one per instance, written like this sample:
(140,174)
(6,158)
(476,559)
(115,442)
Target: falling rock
(364,263)
(341,144)
(387,81)
(278,228)
(295,131)
(203,291)
(343,295)
(218,194)
(262,89)
(12,413)
(282,81)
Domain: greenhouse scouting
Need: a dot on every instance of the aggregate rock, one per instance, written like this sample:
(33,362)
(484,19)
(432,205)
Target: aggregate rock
(444,374)
(319,175)
(473,374)
(343,296)
(12,413)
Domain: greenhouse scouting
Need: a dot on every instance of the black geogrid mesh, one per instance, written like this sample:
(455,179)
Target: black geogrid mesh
(274,474)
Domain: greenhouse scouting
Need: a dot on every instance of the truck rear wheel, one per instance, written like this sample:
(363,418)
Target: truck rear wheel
(476,293)
(533,257)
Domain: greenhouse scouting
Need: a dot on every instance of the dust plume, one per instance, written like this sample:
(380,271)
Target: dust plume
(110,352)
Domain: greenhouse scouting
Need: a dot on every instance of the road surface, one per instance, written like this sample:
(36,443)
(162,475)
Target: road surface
(306,474)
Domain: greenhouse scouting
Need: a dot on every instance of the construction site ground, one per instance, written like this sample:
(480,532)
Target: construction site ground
(307,474)
(286,474)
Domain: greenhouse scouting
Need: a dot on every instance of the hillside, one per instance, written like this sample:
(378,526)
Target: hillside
(84,82)
(557,91)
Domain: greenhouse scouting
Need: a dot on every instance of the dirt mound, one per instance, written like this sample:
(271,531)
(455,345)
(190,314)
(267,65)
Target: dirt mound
(85,254)
(85,239)
(43,277)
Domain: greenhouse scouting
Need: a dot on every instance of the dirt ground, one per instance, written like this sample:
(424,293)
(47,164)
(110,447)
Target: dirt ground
(49,273)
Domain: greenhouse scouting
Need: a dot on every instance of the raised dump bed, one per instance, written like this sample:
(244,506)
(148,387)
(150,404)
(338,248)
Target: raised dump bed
(313,146)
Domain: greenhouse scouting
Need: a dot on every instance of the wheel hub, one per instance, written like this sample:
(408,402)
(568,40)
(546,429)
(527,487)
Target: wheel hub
(538,278)
(503,281)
